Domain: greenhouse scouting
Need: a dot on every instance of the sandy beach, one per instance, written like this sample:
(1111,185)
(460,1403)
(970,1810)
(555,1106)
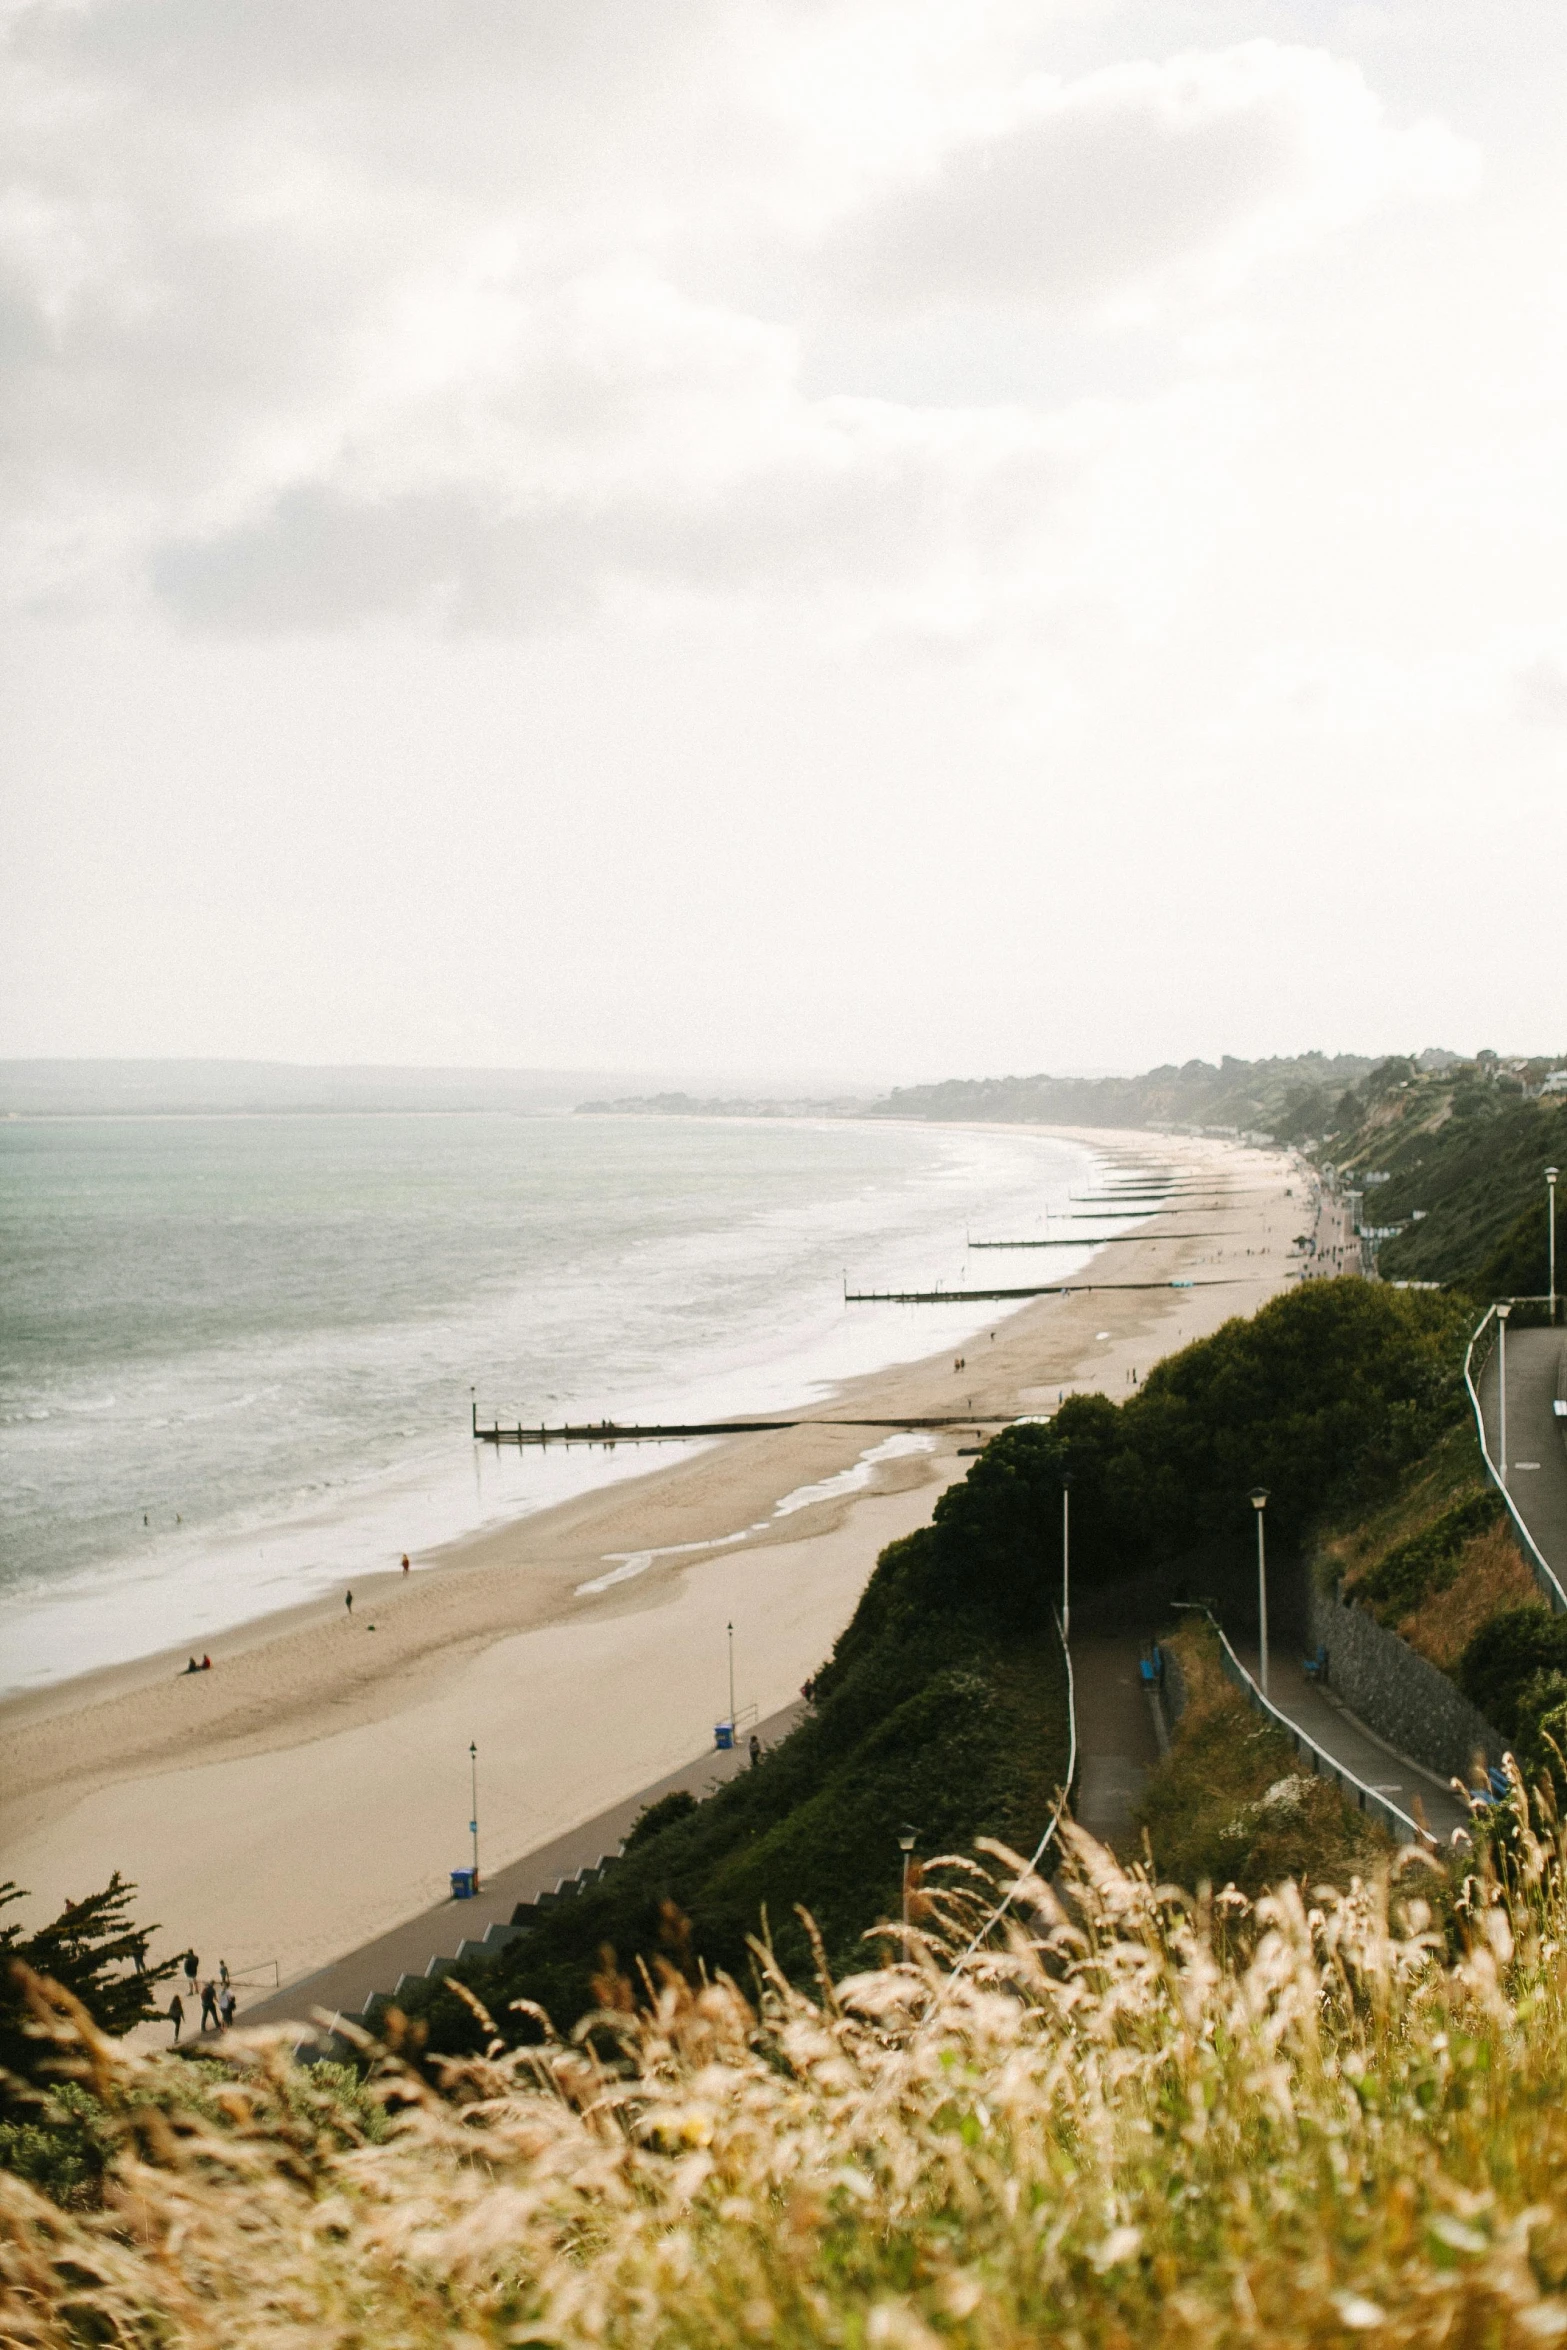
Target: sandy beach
(313,1789)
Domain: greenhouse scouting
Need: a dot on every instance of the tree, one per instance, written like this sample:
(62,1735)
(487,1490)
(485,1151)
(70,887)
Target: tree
(92,1950)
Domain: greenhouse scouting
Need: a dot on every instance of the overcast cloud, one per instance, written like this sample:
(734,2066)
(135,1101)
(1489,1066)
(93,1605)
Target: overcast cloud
(942,535)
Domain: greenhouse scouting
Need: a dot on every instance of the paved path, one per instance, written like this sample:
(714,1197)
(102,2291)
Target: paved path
(1348,1740)
(1116,1745)
(1536,1439)
(345,1986)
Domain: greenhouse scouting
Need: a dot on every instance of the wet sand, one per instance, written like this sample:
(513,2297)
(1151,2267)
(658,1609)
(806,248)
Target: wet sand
(313,1789)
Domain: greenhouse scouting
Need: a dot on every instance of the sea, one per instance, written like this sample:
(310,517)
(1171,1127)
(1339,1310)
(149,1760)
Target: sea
(239,1353)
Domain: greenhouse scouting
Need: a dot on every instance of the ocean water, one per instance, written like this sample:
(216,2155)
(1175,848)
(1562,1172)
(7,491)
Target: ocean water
(237,1354)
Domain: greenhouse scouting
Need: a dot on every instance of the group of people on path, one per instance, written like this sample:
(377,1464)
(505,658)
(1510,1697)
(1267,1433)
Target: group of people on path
(217,1997)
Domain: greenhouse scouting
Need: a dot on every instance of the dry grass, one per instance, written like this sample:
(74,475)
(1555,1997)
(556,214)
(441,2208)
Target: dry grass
(1491,1576)
(1133,2121)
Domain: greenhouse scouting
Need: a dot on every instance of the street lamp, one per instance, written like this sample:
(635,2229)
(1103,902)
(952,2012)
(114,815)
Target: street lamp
(1066,1554)
(906,1847)
(731,1676)
(1259,1502)
(1550,1192)
(473,1822)
(1502,1313)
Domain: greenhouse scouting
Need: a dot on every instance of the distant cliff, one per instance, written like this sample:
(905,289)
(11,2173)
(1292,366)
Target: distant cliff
(1247,1096)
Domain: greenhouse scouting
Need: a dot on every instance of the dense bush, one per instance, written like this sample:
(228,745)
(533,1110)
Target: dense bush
(1505,1657)
(654,1818)
(1324,1397)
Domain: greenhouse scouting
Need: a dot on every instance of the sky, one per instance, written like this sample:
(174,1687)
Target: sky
(779,535)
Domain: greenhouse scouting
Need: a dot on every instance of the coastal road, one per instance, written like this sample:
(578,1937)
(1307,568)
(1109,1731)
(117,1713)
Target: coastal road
(1536,1438)
(344,1987)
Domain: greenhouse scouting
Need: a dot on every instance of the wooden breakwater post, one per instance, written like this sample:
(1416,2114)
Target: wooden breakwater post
(610,1432)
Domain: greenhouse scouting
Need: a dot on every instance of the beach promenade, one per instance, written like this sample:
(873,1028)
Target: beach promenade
(310,1795)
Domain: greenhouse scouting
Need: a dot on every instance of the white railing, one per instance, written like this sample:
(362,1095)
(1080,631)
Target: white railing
(1325,1765)
(1542,1572)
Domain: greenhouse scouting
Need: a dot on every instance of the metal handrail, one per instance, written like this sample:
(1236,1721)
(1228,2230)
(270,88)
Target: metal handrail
(1539,1566)
(1325,1765)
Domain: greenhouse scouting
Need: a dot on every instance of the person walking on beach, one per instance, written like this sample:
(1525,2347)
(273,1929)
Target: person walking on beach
(209,2007)
(349,1603)
(756,1750)
(228,2004)
(223,1972)
(405,1562)
(192,1970)
(176,2016)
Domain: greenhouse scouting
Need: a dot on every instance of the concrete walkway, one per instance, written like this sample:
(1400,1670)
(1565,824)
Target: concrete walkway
(1536,1438)
(1350,1742)
(344,1987)
(1116,1745)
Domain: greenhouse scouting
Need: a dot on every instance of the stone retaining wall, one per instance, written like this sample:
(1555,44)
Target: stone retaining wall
(1396,1692)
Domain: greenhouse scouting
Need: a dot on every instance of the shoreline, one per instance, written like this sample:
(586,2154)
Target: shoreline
(312,1791)
(252,1521)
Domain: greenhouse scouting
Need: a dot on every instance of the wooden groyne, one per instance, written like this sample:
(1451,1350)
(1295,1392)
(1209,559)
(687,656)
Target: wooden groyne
(673,1431)
(968,1297)
(1110,1240)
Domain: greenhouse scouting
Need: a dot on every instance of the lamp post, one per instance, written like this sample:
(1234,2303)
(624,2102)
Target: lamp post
(1259,1502)
(473,1819)
(731,1676)
(1066,1554)
(906,1847)
(1502,1313)
(1550,1193)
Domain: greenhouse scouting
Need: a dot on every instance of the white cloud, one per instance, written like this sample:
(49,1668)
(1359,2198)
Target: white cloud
(1541,691)
(1141,181)
(320,314)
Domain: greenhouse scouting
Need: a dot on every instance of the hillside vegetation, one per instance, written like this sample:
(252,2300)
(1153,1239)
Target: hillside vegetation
(943,1704)
(1465,1152)
(1233,1096)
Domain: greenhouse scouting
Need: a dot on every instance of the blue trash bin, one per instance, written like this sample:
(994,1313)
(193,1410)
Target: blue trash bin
(464,1884)
(724,1736)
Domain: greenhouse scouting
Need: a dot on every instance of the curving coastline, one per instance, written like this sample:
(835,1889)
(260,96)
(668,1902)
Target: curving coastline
(312,1790)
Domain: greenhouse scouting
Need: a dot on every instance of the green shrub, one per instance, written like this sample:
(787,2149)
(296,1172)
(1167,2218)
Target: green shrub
(654,1818)
(1504,1659)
